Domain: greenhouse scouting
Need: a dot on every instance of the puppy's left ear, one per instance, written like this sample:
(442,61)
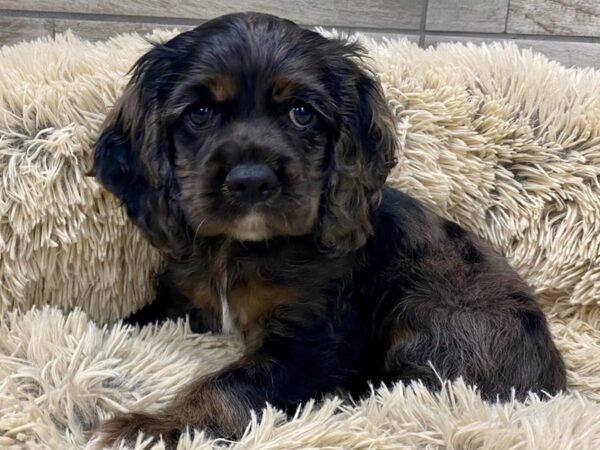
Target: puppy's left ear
(362,157)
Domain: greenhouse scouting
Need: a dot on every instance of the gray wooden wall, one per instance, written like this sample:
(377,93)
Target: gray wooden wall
(565,30)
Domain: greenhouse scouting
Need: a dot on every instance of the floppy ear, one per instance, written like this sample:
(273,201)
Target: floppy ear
(362,157)
(132,156)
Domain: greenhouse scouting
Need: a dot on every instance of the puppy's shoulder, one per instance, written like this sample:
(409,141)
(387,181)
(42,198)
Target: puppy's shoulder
(427,249)
(396,203)
(401,216)
(407,228)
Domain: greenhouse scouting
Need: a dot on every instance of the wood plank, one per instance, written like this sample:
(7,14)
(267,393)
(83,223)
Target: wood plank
(398,14)
(382,36)
(579,54)
(555,17)
(467,15)
(16,29)
(95,30)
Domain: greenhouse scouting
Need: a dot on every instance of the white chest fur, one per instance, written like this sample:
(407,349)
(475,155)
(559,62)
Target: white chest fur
(227,322)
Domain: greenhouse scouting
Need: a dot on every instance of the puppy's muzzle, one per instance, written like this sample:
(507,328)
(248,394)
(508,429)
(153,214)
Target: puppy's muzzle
(252,183)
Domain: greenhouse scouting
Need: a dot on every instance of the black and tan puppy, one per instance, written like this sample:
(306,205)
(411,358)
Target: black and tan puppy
(253,154)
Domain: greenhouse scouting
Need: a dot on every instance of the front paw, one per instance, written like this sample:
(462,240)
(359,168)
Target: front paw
(124,429)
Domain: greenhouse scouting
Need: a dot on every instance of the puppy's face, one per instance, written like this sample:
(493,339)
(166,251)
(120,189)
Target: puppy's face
(251,122)
(248,127)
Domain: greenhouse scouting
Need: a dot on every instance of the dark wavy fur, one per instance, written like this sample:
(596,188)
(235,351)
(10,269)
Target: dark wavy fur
(333,281)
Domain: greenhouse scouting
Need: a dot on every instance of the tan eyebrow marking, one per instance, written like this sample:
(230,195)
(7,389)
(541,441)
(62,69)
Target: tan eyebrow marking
(222,87)
(281,89)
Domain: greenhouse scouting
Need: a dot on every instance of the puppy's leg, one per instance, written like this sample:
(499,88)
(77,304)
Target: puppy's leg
(298,357)
(170,303)
(498,350)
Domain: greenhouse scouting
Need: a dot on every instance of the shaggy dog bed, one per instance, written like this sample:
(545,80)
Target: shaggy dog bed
(498,139)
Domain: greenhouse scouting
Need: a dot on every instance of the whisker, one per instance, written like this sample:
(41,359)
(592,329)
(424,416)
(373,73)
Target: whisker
(202,222)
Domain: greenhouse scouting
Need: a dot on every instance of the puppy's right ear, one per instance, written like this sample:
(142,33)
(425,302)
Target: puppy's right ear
(132,156)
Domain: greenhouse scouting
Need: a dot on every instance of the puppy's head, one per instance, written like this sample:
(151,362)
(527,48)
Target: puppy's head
(249,127)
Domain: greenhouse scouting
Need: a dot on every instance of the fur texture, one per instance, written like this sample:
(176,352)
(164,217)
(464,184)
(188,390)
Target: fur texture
(250,115)
(62,375)
(436,176)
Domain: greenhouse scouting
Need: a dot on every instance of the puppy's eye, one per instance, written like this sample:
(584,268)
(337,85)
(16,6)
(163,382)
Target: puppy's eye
(302,116)
(201,115)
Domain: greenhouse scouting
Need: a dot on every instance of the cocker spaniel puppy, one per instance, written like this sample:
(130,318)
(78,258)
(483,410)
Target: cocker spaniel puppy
(252,154)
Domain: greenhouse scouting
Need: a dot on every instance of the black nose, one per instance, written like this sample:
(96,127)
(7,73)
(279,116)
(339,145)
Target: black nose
(251,182)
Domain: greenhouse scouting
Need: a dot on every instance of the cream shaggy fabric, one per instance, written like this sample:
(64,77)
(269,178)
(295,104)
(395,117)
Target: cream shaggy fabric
(501,140)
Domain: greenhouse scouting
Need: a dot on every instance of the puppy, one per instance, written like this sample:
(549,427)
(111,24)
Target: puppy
(252,154)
